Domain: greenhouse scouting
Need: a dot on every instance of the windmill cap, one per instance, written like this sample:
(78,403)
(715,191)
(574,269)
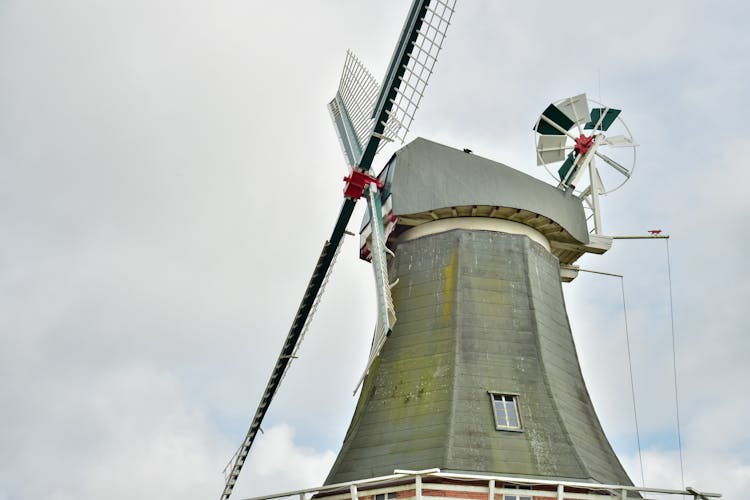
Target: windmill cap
(429,177)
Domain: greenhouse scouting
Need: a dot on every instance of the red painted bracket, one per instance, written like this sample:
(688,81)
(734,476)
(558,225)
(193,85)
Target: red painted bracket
(356,183)
(583,144)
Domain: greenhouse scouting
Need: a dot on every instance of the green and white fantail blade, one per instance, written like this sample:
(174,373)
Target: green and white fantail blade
(620,141)
(550,149)
(565,169)
(576,108)
(555,115)
(602,123)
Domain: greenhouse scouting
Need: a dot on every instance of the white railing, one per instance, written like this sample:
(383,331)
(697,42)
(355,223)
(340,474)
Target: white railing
(441,484)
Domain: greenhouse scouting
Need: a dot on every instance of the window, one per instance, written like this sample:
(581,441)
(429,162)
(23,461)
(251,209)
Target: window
(505,408)
(386,496)
(519,496)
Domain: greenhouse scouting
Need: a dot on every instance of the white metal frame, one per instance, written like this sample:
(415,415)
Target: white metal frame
(538,488)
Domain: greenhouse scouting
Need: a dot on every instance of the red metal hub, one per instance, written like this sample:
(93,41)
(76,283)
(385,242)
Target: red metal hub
(356,183)
(583,144)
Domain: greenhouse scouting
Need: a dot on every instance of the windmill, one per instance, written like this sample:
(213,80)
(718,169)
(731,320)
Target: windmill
(366,116)
(573,136)
(476,391)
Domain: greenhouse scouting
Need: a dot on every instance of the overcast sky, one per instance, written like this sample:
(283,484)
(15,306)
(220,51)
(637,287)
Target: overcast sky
(168,175)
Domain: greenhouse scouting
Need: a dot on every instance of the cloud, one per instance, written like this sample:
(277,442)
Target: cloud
(725,474)
(168,175)
(122,433)
(278,464)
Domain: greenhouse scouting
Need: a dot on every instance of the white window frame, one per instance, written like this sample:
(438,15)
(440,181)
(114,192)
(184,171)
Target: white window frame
(506,397)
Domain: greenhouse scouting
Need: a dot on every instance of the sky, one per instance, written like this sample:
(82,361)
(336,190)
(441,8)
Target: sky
(169,173)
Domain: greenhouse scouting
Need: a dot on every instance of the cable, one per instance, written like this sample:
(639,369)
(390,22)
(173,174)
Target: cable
(674,366)
(630,365)
(632,383)
(674,355)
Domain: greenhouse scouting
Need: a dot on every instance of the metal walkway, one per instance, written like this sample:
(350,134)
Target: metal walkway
(433,484)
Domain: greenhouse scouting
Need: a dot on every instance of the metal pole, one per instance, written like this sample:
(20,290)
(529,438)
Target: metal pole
(594,179)
(644,237)
(600,272)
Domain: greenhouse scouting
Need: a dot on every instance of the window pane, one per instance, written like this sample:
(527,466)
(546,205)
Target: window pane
(505,407)
(512,414)
(500,414)
(513,422)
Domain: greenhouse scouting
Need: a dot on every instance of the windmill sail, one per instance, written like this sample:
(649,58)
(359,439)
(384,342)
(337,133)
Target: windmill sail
(291,344)
(386,312)
(360,127)
(391,107)
(351,109)
(366,115)
(414,76)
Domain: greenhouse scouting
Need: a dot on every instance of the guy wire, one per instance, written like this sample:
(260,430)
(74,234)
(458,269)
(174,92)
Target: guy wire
(632,383)
(674,367)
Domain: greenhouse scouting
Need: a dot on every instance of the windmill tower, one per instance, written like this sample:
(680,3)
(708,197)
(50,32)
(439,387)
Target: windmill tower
(472,388)
(480,372)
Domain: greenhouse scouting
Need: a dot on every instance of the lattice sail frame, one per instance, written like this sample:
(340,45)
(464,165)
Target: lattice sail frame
(353,110)
(423,56)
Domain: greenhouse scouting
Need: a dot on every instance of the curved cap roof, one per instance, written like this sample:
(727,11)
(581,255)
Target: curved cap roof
(429,176)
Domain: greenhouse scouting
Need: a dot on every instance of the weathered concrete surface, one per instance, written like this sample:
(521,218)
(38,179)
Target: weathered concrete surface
(478,311)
